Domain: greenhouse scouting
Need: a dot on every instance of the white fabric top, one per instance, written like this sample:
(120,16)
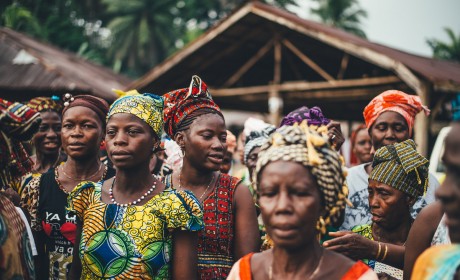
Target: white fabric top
(29,232)
(441,236)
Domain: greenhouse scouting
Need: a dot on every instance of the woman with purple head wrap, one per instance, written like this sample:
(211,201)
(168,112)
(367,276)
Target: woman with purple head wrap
(315,117)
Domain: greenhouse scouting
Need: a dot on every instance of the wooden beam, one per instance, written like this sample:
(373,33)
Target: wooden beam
(275,101)
(190,49)
(337,95)
(243,69)
(307,60)
(306,86)
(422,122)
(343,66)
(364,53)
(232,47)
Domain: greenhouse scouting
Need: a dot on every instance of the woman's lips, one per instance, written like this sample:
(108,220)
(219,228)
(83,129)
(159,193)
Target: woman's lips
(216,158)
(376,217)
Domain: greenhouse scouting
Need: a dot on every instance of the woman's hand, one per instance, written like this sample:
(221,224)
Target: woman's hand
(335,134)
(352,245)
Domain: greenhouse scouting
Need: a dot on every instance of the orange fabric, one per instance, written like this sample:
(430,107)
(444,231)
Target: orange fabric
(356,271)
(245,267)
(397,101)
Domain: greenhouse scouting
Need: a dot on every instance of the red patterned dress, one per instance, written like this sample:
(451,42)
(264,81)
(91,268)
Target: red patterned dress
(216,242)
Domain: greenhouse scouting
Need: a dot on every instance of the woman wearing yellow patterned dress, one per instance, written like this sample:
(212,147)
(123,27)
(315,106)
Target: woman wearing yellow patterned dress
(131,226)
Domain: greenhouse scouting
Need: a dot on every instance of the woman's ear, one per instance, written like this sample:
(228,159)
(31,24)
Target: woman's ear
(410,200)
(180,139)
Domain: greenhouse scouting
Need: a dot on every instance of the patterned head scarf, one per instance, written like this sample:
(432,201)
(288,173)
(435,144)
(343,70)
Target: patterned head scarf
(147,107)
(17,123)
(96,104)
(41,104)
(313,115)
(396,101)
(257,139)
(180,103)
(401,167)
(231,142)
(304,145)
(254,124)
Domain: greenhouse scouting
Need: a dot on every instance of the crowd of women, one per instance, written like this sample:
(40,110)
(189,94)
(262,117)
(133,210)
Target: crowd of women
(295,212)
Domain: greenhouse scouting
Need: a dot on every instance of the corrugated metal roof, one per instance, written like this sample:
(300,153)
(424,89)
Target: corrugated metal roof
(27,64)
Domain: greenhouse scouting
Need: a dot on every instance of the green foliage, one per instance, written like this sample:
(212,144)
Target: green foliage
(446,50)
(343,14)
(21,19)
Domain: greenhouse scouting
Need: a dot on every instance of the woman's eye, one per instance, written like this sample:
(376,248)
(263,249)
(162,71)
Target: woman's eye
(110,132)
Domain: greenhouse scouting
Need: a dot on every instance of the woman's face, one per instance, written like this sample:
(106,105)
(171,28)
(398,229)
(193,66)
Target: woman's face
(252,160)
(205,142)
(226,162)
(389,206)
(362,146)
(47,140)
(389,128)
(82,133)
(129,141)
(290,203)
(449,192)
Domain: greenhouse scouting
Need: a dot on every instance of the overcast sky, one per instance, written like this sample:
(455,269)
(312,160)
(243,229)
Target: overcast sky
(404,24)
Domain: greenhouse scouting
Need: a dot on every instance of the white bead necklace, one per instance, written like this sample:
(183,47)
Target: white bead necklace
(112,198)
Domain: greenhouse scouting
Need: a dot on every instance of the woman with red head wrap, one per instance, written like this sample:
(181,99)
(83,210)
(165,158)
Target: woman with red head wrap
(195,122)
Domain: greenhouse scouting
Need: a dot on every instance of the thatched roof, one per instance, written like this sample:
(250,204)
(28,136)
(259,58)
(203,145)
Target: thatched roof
(31,68)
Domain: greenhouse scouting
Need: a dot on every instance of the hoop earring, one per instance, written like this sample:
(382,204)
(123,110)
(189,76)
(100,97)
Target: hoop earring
(182,153)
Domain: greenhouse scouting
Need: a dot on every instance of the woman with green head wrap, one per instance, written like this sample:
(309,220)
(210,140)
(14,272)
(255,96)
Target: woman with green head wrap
(299,180)
(398,177)
(132,227)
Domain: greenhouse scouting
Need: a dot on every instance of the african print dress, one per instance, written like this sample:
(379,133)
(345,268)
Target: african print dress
(54,229)
(438,262)
(16,261)
(133,242)
(378,267)
(216,242)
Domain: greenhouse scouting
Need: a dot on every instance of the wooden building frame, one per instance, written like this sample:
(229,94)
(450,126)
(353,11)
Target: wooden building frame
(264,59)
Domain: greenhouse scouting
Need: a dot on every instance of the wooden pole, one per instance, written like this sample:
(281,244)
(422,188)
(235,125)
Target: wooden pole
(422,122)
(275,102)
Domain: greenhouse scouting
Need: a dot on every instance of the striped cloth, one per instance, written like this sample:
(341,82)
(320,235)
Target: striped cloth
(401,167)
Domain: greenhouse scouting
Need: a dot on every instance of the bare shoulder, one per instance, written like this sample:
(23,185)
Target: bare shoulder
(260,263)
(334,265)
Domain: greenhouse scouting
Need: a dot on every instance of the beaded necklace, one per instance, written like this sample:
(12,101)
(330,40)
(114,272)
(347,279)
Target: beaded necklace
(112,198)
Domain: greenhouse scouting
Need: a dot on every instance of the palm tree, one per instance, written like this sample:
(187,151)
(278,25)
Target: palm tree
(343,14)
(446,50)
(21,19)
(143,32)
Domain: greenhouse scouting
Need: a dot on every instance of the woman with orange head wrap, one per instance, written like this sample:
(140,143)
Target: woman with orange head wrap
(389,119)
